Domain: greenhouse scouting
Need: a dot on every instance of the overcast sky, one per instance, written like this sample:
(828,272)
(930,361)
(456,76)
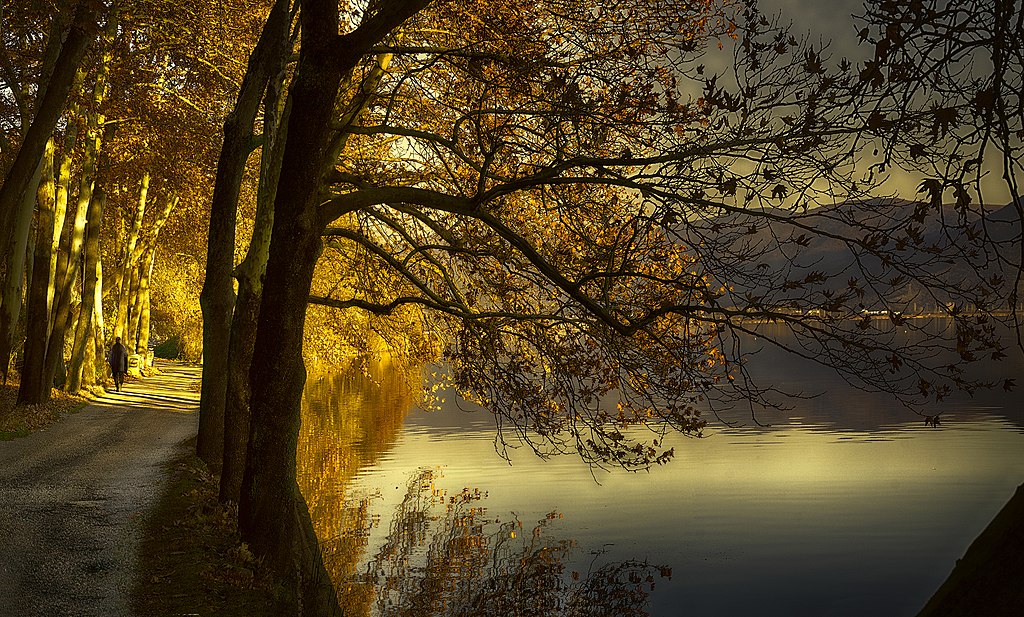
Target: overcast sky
(827,19)
(833,20)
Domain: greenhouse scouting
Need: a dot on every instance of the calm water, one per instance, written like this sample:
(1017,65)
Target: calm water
(846,505)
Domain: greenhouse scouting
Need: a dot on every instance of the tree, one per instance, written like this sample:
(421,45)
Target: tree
(56,87)
(269,493)
(58,246)
(217,298)
(956,73)
(597,222)
(17,213)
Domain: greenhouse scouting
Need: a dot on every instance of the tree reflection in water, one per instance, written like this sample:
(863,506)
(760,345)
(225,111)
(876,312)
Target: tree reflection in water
(443,554)
(349,419)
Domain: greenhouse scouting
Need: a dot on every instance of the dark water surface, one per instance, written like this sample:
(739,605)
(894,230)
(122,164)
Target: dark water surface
(846,505)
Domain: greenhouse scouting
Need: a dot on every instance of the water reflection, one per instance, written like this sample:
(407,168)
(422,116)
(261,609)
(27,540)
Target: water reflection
(846,505)
(442,554)
(349,418)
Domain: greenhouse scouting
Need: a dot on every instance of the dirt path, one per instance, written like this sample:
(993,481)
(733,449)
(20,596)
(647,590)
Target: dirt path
(73,497)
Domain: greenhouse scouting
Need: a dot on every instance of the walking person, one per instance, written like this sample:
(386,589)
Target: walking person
(118,360)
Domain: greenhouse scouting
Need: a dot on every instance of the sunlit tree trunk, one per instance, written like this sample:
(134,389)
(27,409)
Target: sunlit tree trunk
(16,258)
(129,266)
(83,339)
(10,309)
(217,297)
(57,87)
(94,217)
(63,186)
(88,375)
(69,257)
(131,328)
(143,343)
(34,388)
(140,299)
(99,339)
(129,262)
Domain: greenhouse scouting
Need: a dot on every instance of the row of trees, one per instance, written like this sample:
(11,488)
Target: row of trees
(109,138)
(578,209)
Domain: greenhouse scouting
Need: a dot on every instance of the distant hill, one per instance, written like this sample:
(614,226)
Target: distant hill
(774,252)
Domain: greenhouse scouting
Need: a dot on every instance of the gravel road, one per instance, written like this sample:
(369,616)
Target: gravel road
(74,496)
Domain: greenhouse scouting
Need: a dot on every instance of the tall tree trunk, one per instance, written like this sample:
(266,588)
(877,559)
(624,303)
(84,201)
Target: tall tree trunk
(131,330)
(217,296)
(69,260)
(88,375)
(99,335)
(83,332)
(142,346)
(129,263)
(10,309)
(139,301)
(58,87)
(34,388)
(62,178)
(16,258)
(95,130)
(250,288)
(272,513)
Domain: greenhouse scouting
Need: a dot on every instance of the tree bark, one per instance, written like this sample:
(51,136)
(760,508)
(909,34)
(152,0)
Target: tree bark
(217,297)
(143,343)
(249,275)
(83,332)
(129,263)
(10,309)
(19,177)
(270,496)
(68,263)
(131,329)
(99,336)
(34,388)
(139,296)
(17,253)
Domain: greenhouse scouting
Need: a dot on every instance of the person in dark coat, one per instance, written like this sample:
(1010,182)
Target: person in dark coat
(118,360)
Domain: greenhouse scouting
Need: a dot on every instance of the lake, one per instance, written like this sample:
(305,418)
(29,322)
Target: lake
(847,504)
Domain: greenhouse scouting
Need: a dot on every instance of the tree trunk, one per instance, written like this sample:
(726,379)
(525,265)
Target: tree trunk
(250,288)
(68,264)
(16,258)
(57,89)
(83,332)
(129,263)
(270,499)
(10,309)
(99,335)
(34,388)
(143,344)
(131,330)
(217,296)
(94,211)
(88,376)
(139,300)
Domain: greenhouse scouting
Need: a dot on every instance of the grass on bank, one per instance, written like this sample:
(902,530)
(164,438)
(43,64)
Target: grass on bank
(191,560)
